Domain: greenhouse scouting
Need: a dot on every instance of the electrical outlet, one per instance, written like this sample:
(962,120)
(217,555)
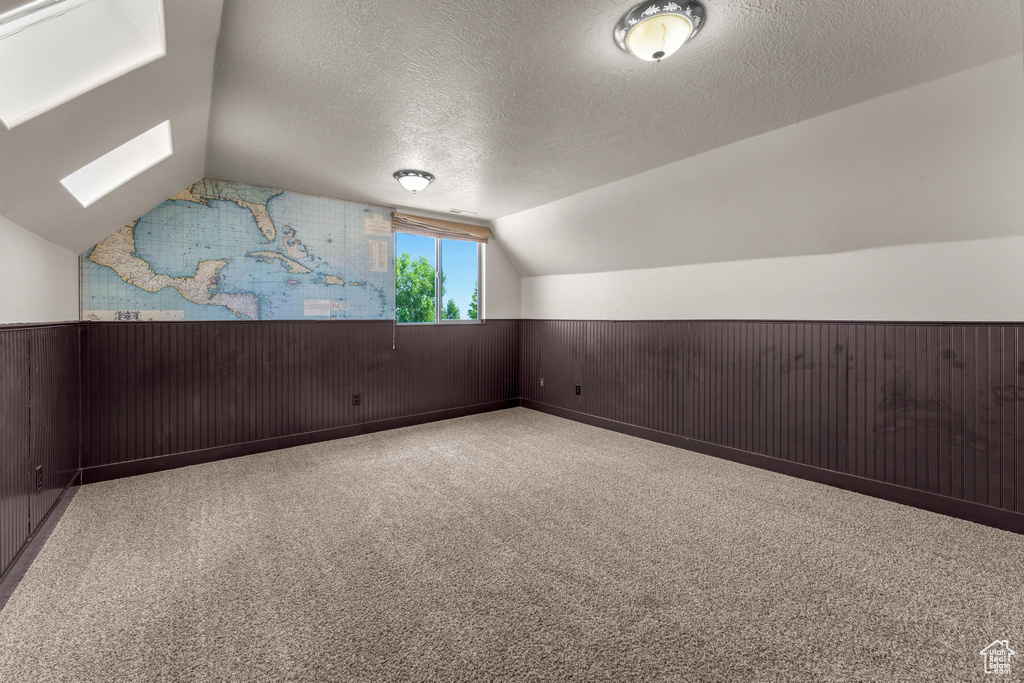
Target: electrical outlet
(541,382)
(578,387)
(357,399)
(39,478)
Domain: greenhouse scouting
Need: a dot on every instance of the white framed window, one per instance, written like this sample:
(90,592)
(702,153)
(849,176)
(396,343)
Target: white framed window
(437,280)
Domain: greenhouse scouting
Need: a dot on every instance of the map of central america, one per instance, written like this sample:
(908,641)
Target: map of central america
(222,250)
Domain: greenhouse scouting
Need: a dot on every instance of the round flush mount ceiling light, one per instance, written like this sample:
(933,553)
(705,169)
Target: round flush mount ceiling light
(655,29)
(414,181)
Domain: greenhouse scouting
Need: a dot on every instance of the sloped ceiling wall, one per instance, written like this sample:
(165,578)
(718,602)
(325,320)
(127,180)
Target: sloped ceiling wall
(518,104)
(937,162)
(36,155)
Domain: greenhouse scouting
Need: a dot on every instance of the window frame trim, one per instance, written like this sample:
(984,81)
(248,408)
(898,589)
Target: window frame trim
(438,272)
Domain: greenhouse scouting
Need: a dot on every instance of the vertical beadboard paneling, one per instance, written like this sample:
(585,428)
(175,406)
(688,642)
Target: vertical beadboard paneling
(39,426)
(160,389)
(931,407)
(54,414)
(1018,450)
(15,431)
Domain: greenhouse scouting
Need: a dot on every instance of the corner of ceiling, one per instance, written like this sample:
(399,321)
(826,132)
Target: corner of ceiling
(218,47)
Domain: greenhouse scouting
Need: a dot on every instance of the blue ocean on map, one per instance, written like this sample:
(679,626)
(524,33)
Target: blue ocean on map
(318,265)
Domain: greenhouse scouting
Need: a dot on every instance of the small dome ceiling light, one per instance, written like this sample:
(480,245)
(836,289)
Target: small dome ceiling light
(414,181)
(655,29)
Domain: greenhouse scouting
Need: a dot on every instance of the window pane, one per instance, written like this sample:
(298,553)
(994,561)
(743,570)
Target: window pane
(414,278)
(460,278)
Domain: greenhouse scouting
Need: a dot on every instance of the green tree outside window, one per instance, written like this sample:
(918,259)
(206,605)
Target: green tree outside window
(414,290)
(450,311)
(472,312)
(414,293)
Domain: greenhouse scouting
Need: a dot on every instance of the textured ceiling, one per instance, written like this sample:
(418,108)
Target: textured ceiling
(515,104)
(35,155)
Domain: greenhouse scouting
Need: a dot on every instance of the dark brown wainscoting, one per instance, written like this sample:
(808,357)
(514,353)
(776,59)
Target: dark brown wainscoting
(161,395)
(930,415)
(39,427)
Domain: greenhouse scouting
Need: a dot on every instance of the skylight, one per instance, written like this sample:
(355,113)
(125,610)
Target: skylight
(52,51)
(117,167)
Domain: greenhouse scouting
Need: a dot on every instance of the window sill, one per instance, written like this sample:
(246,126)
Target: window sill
(447,322)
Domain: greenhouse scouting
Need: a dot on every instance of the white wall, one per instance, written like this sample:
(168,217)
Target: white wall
(501,284)
(962,281)
(38,279)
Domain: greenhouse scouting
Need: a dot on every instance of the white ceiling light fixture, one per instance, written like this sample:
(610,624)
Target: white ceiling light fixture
(115,168)
(654,30)
(412,180)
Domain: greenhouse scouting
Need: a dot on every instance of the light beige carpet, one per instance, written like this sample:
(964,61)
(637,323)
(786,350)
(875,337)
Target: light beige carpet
(511,546)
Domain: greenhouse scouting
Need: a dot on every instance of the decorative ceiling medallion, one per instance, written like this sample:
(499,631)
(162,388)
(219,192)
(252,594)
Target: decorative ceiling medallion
(655,29)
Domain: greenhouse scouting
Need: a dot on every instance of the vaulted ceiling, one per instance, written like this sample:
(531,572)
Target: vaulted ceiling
(37,154)
(515,104)
(511,104)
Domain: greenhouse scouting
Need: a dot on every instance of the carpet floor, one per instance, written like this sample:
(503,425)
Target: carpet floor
(513,546)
